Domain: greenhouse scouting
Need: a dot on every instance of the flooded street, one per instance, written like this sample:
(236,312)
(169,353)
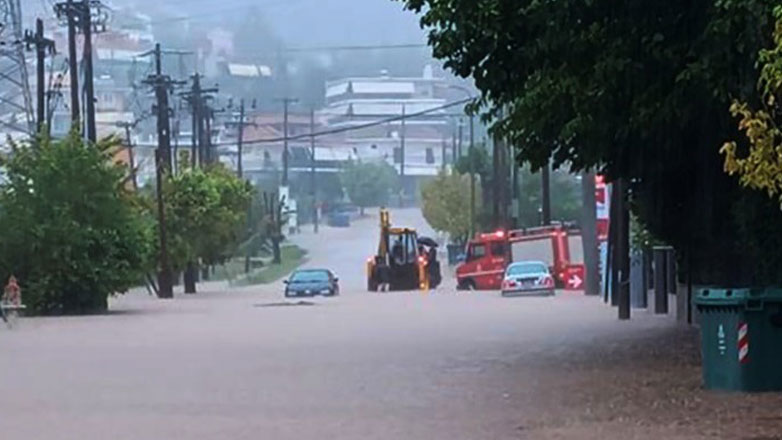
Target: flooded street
(360,366)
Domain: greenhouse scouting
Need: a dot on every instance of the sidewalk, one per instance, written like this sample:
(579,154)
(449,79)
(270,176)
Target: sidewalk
(649,387)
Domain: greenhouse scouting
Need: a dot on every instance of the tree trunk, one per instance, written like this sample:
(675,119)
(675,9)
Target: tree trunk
(190,276)
(589,235)
(276,250)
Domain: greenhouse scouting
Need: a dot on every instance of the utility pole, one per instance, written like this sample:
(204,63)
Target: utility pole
(89,83)
(402,146)
(240,141)
(162,85)
(313,174)
(79,17)
(454,156)
(208,116)
(240,135)
(545,193)
(471,155)
(623,251)
(198,97)
(42,46)
(196,111)
(461,139)
(496,145)
(444,153)
(589,235)
(127,126)
(286,102)
(69,10)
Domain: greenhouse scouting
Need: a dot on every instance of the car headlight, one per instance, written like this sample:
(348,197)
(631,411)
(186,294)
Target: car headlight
(325,291)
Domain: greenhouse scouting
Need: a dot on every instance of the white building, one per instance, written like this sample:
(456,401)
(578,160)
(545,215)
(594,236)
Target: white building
(425,133)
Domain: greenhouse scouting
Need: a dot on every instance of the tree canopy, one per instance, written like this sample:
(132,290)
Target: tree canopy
(636,90)
(369,183)
(445,204)
(761,167)
(72,232)
(206,214)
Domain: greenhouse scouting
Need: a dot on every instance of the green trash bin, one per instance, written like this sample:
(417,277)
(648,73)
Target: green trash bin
(741,338)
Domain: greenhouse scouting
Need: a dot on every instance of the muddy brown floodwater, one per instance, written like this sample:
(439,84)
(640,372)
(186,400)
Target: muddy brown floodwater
(364,366)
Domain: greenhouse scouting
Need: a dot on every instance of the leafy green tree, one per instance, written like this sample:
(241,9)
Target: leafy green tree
(761,167)
(369,183)
(206,215)
(636,90)
(445,204)
(73,234)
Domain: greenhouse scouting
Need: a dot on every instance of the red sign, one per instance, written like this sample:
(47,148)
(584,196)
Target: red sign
(574,277)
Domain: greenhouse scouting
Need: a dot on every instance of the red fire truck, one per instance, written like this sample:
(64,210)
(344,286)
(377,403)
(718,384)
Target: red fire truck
(490,253)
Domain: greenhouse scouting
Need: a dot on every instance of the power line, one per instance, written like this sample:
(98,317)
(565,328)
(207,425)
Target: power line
(347,129)
(357,48)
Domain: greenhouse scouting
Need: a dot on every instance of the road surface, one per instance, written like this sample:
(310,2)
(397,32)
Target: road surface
(237,365)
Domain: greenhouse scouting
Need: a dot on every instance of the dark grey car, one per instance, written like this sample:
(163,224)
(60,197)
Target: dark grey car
(311,282)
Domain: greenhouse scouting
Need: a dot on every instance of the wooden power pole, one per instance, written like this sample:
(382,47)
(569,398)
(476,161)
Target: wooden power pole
(42,46)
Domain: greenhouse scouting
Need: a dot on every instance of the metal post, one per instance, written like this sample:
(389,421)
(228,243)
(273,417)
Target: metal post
(89,86)
(660,291)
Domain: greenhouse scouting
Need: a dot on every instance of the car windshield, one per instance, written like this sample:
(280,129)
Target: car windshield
(310,276)
(527,269)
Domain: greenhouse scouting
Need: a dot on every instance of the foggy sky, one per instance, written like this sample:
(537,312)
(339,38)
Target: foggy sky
(297,22)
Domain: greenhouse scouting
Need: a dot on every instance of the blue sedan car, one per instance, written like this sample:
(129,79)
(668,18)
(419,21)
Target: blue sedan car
(311,282)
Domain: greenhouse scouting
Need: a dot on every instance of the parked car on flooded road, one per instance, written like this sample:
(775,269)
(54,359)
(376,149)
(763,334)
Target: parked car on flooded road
(311,282)
(528,278)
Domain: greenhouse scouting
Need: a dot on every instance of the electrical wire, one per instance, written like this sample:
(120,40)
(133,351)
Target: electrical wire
(345,129)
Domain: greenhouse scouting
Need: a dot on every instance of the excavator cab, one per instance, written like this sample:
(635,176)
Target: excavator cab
(398,263)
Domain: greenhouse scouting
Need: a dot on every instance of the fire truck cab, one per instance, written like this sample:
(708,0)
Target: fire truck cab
(489,254)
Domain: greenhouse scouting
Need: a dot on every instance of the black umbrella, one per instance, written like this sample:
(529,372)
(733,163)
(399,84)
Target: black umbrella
(426,241)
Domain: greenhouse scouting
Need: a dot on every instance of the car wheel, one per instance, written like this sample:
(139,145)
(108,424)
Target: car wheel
(467,285)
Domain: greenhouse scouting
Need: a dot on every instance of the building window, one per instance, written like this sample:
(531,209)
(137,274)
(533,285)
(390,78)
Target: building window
(429,156)
(397,155)
(108,98)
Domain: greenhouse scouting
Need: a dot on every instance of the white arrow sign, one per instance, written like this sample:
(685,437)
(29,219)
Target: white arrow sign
(575,281)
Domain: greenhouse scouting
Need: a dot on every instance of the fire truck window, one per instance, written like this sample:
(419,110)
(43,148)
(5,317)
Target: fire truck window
(477,251)
(498,249)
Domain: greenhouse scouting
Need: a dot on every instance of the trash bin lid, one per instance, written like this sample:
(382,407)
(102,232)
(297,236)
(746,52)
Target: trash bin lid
(735,297)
